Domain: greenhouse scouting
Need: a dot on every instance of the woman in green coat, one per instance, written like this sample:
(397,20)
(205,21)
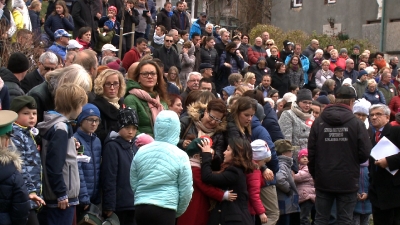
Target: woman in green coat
(146,93)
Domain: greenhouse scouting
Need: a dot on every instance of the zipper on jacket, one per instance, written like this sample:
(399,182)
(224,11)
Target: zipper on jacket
(69,174)
(94,167)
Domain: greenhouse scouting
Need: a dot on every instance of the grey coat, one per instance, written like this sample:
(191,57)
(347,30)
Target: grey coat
(288,197)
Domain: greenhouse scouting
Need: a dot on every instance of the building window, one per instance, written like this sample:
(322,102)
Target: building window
(297,3)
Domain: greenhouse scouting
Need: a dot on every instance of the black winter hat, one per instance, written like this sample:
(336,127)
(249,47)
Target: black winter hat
(18,63)
(304,94)
(346,92)
(127,117)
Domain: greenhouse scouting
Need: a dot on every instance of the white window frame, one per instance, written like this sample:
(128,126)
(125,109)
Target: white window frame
(331,1)
(297,3)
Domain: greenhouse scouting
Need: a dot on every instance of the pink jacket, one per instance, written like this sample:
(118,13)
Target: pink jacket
(305,184)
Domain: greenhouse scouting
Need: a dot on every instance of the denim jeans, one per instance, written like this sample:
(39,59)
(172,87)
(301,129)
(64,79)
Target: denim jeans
(305,210)
(345,203)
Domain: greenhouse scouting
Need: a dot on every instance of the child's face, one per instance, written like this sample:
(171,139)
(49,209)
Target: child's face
(89,124)
(27,117)
(224,96)
(128,132)
(303,160)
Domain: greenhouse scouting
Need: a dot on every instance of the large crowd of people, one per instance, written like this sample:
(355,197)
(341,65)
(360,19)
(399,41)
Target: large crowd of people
(191,125)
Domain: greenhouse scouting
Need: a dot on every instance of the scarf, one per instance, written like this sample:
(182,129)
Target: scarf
(113,101)
(195,162)
(295,68)
(333,60)
(202,130)
(154,104)
(318,61)
(157,39)
(296,109)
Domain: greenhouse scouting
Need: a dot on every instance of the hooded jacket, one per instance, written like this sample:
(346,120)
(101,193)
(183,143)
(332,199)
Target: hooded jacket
(14,209)
(146,123)
(254,53)
(288,198)
(31,167)
(60,168)
(305,184)
(117,158)
(337,145)
(388,91)
(89,173)
(187,62)
(130,57)
(12,83)
(160,172)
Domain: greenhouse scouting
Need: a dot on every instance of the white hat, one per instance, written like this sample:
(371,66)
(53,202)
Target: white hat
(109,47)
(347,81)
(73,44)
(361,106)
(260,149)
(289,97)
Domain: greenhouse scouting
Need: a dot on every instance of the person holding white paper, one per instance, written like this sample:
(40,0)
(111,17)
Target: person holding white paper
(384,189)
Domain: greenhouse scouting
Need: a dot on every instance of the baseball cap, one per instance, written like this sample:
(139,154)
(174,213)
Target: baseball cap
(202,14)
(346,92)
(109,47)
(74,44)
(61,33)
(338,69)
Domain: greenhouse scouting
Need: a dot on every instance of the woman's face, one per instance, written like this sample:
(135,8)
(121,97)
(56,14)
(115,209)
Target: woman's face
(325,66)
(305,105)
(177,106)
(228,154)
(252,80)
(295,60)
(212,119)
(245,117)
(59,9)
(148,77)
(316,96)
(173,75)
(279,106)
(274,52)
(210,44)
(332,87)
(371,87)
(379,57)
(282,69)
(111,86)
(275,97)
(159,32)
(209,29)
(361,116)
(185,37)
(318,55)
(87,36)
(245,40)
(375,68)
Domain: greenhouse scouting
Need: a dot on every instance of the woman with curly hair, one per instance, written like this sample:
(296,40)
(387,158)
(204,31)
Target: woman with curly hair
(109,87)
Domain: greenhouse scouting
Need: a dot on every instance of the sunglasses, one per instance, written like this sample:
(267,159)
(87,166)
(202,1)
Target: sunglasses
(48,68)
(169,41)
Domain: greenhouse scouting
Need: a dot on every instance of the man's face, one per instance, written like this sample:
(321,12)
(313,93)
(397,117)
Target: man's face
(265,36)
(315,45)
(363,78)
(69,60)
(350,65)
(329,48)
(168,42)
(297,50)
(387,78)
(46,66)
(203,19)
(108,53)
(180,7)
(356,51)
(211,44)
(205,86)
(339,74)
(378,118)
(258,42)
(207,72)
(175,36)
(266,81)
(64,41)
(168,7)
(185,7)
(245,40)
(225,37)
(395,61)
(142,47)
(196,40)
(193,82)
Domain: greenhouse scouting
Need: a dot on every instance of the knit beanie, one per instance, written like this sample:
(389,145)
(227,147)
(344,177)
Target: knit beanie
(88,110)
(109,24)
(304,94)
(260,149)
(343,50)
(193,148)
(361,73)
(127,117)
(323,100)
(18,63)
(303,152)
(260,112)
(361,106)
(143,139)
(115,65)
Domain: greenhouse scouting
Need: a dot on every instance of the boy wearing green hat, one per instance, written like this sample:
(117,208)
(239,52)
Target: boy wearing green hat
(23,139)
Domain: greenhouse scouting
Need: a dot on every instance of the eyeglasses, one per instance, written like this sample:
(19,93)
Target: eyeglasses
(194,81)
(93,121)
(307,102)
(169,41)
(376,114)
(147,74)
(48,68)
(213,118)
(108,85)
(270,44)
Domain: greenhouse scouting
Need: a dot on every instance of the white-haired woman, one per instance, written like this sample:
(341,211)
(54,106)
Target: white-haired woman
(373,94)
(323,74)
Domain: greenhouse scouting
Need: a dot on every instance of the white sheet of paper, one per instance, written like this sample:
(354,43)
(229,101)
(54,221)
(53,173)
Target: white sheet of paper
(383,149)
(83,158)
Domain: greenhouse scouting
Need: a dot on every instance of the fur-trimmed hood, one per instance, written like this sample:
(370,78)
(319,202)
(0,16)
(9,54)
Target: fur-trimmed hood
(7,156)
(195,111)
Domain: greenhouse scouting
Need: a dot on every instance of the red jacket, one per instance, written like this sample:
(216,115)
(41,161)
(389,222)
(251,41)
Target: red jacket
(253,53)
(340,62)
(197,212)
(394,106)
(254,182)
(130,57)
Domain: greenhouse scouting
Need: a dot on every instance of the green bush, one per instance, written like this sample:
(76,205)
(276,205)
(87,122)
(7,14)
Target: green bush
(298,36)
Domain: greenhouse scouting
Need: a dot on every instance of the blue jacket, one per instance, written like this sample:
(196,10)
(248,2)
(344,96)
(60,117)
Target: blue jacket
(14,207)
(58,50)
(259,132)
(55,22)
(375,97)
(363,207)
(117,157)
(31,167)
(35,21)
(305,63)
(89,173)
(160,173)
(195,28)
(270,123)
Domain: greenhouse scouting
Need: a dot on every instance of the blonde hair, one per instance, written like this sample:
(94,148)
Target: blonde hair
(177,81)
(275,47)
(34,4)
(270,40)
(248,76)
(371,81)
(101,80)
(325,61)
(69,97)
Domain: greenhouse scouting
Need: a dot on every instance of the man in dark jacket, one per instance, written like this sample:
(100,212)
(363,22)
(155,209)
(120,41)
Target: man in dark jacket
(384,191)
(337,145)
(356,56)
(164,16)
(83,15)
(167,55)
(220,47)
(260,69)
(393,64)
(350,72)
(48,61)
(179,20)
(310,50)
(16,70)
(196,42)
(338,77)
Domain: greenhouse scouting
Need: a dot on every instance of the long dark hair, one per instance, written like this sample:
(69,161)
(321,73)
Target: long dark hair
(61,3)
(242,155)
